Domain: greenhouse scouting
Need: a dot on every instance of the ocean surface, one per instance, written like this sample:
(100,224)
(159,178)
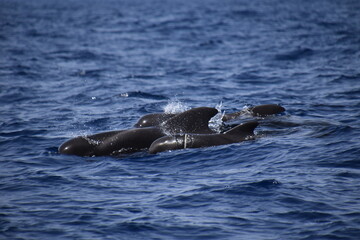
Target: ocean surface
(71,67)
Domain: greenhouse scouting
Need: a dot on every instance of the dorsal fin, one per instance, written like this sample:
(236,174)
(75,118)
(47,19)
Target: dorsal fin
(195,120)
(244,129)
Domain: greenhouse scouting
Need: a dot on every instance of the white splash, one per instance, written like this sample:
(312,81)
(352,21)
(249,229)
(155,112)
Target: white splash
(216,122)
(175,106)
(246,109)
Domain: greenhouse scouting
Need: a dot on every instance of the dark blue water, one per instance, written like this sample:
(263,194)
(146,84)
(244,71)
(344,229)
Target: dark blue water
(70,68)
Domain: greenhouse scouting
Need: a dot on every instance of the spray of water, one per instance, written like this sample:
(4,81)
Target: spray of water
(175,106)
(216,122)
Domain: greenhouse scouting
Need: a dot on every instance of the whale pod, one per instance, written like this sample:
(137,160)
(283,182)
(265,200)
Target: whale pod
(126,141)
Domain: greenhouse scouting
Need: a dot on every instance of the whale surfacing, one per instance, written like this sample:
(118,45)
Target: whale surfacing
(237,134)
(159,132)
(155,119)
(132,140)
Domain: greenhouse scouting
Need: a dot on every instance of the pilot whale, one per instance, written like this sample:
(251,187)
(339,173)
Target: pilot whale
(264,110)
(256,111)
(237,134)
(126,141)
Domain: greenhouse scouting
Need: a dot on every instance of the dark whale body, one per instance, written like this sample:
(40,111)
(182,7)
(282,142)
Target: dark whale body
(256,111)
(154,126)
(237,134)
(156,119)
(153,119)
(126,141)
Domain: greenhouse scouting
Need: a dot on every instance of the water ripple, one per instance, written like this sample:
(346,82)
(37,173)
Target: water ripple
(70,68)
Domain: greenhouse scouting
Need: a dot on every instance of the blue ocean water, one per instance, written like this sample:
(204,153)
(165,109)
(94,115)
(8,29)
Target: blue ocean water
(71,67)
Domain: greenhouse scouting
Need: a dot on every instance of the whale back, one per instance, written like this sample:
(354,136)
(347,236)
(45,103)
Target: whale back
(239,133)
(153,119)
(195,120)
(266,110)
(242,131)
